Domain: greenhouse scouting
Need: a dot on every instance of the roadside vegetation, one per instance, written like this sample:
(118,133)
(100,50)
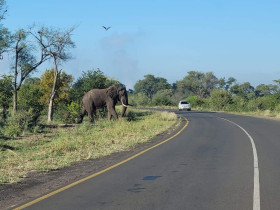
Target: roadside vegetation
(59,146)
(206,92)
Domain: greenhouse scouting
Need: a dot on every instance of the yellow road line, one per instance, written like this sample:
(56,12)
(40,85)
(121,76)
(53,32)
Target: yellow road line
(100,172)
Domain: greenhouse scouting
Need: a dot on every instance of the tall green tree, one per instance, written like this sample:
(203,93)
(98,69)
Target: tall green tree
(277,81)
(6,92)
(244,90)
(150,85)
(5,35)
(29,98)
(198,83)
(226,85)
(265,90)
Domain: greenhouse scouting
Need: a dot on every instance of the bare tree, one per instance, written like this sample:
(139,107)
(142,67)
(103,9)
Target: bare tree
(25,62)
(3,9)
(56,43)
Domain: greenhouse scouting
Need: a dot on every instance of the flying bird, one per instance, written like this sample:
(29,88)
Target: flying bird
(106,28)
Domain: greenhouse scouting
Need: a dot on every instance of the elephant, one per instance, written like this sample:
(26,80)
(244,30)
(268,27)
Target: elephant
(100,98)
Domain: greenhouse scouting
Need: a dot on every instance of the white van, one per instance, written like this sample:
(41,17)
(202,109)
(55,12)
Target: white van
(184,105)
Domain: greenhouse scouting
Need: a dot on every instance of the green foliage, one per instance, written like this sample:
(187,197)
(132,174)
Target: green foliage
(139,99)
(68,113)
(20,122)
(6,94)
(151,85)
(219,99)
(64,81)
(90,80)
(198,83)
(163,97)
(226,85)
(244,90)
(265,90)
(196,101)
(29,96)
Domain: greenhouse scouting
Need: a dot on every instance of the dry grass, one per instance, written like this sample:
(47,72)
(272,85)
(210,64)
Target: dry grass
(85,141)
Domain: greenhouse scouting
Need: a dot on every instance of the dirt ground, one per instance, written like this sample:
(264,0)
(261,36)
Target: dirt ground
(37,184)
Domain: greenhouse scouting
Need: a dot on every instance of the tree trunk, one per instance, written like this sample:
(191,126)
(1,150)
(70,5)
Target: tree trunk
(50,110)
(15,84)
(15,101)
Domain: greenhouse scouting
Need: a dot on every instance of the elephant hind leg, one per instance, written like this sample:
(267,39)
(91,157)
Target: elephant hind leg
(83,113)
(91,111)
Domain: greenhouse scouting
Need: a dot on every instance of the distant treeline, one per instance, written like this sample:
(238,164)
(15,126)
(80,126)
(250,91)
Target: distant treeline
(206,91)
(202,90)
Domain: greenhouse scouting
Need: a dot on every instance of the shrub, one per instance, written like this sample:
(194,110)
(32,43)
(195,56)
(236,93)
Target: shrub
(220,99)
(19,123)
(139,99)
(68,113)
(196,101)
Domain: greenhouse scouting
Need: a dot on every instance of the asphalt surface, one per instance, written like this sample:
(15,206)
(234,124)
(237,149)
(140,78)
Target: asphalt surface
(209,165)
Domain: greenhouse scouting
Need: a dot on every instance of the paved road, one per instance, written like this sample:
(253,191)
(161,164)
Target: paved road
(210,165)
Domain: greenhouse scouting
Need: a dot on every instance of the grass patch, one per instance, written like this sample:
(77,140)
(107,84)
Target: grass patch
(62,146)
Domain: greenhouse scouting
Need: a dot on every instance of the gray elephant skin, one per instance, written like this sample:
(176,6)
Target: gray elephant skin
(100,98)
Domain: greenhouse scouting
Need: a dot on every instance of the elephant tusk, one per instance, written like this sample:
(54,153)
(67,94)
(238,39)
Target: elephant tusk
(124,104)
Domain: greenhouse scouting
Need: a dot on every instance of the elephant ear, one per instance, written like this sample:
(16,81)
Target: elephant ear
(121,90)
(112,92)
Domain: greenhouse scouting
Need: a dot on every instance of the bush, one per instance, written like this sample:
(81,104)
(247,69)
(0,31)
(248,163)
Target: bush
(68,113)
(29,98)
(196,102)
(21,122)
(139,99)
(220,99)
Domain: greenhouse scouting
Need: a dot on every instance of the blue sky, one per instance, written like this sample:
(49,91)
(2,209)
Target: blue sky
(237,38)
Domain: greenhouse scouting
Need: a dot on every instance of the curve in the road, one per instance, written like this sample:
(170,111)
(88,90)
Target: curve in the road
(256,193)
(101,172)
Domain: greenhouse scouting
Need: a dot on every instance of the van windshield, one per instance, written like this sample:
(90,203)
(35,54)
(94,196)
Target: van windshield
(184,102)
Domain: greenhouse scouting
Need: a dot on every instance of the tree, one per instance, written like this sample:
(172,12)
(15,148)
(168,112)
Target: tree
(220,99)
(56,43)
(198,83)
(265,90)
(151,85)
(90,80)
(5,36)
(226,85)
(62,86)
(163,97)
(29,98)
(244,90)
(277,81)
(6,93)
(25,62)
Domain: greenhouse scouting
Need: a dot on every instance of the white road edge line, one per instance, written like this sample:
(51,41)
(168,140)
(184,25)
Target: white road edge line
(256,195)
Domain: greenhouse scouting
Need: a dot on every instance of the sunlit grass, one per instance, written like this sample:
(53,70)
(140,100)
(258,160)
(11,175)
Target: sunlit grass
(64,146)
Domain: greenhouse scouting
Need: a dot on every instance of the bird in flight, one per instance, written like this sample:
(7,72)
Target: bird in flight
(106,28)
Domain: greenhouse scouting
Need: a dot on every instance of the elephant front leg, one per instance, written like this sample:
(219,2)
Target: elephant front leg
(112,112)
(109,116)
